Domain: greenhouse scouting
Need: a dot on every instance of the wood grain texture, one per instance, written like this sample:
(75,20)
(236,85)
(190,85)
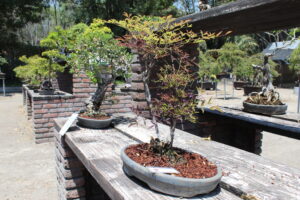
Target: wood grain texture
(99,151)
(244,173)
(286,125)
(247,16)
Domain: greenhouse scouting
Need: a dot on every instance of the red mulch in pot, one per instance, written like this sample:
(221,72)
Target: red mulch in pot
(194,166)
(99,117)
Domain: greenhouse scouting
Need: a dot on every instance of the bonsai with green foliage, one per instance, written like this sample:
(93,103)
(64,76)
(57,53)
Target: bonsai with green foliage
(2,62)
(295,62)
(38,69)
(95,51)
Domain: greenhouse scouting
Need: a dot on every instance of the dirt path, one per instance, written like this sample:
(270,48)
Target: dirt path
(26,169)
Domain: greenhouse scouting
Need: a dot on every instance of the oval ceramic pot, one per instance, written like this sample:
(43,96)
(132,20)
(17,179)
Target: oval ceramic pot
(265,109)
(94,123)
(168,184)
(249,89)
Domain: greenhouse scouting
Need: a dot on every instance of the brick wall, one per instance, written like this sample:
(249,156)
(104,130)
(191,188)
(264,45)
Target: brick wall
(74,181)
(116,101)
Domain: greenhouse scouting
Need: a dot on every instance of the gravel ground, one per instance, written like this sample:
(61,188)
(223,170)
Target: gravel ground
(26,169)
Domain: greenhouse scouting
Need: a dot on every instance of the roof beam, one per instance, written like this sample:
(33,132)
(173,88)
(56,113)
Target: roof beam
(247,16)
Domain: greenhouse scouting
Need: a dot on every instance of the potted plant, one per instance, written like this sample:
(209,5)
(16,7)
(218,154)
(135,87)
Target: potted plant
(256,74)
(268,100)
(2,62)
(207,71)
(95,51)
(38,71)
(173,102)
(295,65)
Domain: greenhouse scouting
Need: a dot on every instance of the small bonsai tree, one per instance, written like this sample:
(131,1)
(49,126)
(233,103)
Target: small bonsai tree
(96,52)
(163,39)
(295,62)
(207,67)
(2,62)
(38,69)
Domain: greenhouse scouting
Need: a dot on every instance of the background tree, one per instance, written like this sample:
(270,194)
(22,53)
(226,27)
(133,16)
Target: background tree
(295,62)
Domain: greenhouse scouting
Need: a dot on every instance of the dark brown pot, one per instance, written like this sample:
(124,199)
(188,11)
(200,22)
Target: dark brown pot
(249,89)
(208,85)
(238,85)
(223,75)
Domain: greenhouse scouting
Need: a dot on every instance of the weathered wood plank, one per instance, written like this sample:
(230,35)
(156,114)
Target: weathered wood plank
(248,16)
(245,173)
(280,125)
(289,116)
(99,151)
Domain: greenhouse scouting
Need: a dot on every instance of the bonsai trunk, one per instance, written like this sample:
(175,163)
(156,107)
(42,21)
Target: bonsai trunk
(99,96)
(149,103)
(172,131)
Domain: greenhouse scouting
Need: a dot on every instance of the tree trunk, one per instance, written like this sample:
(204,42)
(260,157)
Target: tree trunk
(172,131)
(149,103)
(99,96)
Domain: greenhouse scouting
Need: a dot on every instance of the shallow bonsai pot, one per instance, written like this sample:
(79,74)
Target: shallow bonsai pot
(238,85)
(249,89)
(94,123)
(223,75)
(46,92)
(265,109)
(208,85)
(168,184)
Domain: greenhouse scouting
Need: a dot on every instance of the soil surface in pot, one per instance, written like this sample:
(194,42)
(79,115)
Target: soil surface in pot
(99,117)
(192,165)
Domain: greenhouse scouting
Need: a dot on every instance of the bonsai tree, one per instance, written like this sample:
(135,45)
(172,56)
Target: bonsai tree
(254,68)
(2,62)
(295,62)
(63,40)
(163,39)
(227,59)
(37,68)
(175,101)
(207,67)
(96,52)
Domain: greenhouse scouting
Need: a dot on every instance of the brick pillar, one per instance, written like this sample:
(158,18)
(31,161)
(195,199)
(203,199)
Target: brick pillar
(83,88)
(28,105)
(116,101)
(69,172)
(137,90)
(46,109)
(24,93)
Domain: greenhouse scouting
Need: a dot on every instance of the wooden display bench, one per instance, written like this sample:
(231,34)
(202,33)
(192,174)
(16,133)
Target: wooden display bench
(89,165)
(240,129)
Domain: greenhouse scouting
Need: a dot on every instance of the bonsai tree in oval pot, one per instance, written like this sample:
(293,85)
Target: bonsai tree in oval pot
(268,100)
(97,54)
(174,102)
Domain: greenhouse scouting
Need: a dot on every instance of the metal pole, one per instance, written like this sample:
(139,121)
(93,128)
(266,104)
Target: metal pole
(298,110)
(3,87)
(224,88)
(216,88)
